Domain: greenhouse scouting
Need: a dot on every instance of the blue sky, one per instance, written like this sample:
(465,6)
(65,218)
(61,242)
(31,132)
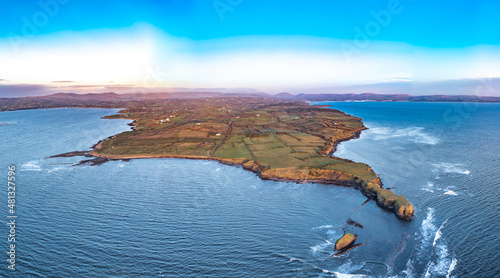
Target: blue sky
(422,22)
(267,45)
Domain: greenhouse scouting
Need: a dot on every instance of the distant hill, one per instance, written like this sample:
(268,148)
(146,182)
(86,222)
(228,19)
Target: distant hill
(110,99)
(386,97)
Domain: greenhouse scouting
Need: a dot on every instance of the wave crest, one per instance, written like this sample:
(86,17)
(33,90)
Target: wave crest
(451,168)
(414,134)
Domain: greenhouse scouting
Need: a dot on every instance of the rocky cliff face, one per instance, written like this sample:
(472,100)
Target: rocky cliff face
(389,200)
(308,175)
(373,188)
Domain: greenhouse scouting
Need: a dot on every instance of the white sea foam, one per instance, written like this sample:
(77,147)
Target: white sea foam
(451,192)
(408,272)
(451,168)
(31,166)
(441,266)
(344,275)
(414,134)
(344,270)
(296,260)
(428,228)
(55,169)
(348,267)
(321,247)
(429,187)
(322,227)
(437,236)
(452,267)
(438,233)
(443,263)
(427,271)
(436,256)
(333,234)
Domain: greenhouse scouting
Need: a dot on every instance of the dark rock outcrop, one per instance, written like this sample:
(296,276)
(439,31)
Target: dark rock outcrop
(345,241)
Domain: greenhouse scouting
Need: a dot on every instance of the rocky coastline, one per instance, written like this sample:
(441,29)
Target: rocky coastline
(385,198)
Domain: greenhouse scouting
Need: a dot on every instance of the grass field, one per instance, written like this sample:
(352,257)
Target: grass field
(271,134)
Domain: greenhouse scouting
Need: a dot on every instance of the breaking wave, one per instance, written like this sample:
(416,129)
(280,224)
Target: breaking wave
(442,265)
(432,259)
(429,187)
(31,166)
(344,270)
(451,168)
(296,260)
(321,247)
(414,134)
(438,233)
(452,267)
(428,228)
(322,227)
(451,192)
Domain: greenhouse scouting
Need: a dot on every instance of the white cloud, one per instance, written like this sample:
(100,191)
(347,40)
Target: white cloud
(143,55)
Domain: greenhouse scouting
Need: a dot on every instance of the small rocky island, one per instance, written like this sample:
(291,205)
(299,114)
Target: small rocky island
(345,244)
(278,140)
(345,241)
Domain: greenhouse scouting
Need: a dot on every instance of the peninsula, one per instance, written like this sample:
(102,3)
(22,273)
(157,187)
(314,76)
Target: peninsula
(280,140)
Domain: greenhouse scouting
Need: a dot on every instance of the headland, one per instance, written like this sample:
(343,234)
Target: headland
(277,139)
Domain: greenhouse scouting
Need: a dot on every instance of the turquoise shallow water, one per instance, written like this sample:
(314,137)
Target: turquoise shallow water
(186,218)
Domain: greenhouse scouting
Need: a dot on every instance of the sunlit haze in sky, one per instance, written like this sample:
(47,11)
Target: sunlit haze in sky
(50,46)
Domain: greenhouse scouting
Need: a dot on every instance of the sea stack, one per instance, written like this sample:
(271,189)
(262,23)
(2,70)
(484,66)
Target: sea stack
(345,241)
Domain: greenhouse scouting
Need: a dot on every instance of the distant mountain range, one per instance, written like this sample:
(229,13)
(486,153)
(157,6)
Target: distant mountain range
(385,97)
(114,99)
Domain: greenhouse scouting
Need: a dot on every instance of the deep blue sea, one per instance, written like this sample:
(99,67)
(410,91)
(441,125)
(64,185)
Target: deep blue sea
(188,218)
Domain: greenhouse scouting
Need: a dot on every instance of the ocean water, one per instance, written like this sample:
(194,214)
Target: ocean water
(188,218)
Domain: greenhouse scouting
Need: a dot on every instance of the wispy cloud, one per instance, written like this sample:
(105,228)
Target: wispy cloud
(148,59)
